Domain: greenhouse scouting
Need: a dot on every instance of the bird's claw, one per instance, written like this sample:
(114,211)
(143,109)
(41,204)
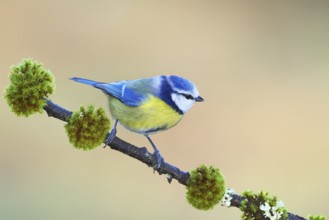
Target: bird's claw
(158,158)
(110,137)
(112,134)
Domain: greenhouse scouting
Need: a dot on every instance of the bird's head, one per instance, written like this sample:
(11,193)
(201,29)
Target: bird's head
(184,93)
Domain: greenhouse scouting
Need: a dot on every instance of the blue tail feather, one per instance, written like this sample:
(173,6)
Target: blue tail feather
(84,81)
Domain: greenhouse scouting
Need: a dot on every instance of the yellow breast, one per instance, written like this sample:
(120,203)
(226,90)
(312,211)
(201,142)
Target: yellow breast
(152,116)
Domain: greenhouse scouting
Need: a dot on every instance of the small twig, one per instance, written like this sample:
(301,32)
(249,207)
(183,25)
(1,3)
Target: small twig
(56,111)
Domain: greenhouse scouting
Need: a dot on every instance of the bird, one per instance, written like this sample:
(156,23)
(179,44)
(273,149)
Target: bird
(148,105)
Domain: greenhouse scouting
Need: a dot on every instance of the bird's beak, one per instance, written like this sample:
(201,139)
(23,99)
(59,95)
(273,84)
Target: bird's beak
(199,99)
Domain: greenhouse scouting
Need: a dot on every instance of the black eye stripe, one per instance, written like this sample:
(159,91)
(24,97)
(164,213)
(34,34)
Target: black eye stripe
(187,96)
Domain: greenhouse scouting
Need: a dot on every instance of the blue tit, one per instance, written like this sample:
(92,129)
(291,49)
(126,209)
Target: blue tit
(147,106)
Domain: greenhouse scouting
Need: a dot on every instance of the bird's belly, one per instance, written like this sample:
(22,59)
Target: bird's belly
(152,116)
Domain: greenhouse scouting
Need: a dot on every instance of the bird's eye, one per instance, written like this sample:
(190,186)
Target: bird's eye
(187,96)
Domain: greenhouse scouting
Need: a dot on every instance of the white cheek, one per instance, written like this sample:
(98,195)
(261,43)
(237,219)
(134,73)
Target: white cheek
(182,103)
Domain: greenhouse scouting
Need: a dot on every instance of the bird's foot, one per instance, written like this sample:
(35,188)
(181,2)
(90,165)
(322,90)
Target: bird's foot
(110,137)
(158,158)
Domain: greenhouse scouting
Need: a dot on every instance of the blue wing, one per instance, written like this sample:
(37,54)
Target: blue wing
(131,93)
(123,92)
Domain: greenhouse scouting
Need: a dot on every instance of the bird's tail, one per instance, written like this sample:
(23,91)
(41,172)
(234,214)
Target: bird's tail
(84,81)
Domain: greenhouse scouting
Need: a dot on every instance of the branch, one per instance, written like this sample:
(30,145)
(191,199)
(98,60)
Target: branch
(139,153)
(143,155)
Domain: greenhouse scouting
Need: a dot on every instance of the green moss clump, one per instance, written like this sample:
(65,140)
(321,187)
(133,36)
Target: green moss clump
(316,217)
(205,188)
(30,84)
(261,206)
(87,128)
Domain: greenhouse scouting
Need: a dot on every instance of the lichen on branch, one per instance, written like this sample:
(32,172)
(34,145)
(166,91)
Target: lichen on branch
(30,84)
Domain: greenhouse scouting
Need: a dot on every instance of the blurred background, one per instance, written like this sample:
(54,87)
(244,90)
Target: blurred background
(261,66)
